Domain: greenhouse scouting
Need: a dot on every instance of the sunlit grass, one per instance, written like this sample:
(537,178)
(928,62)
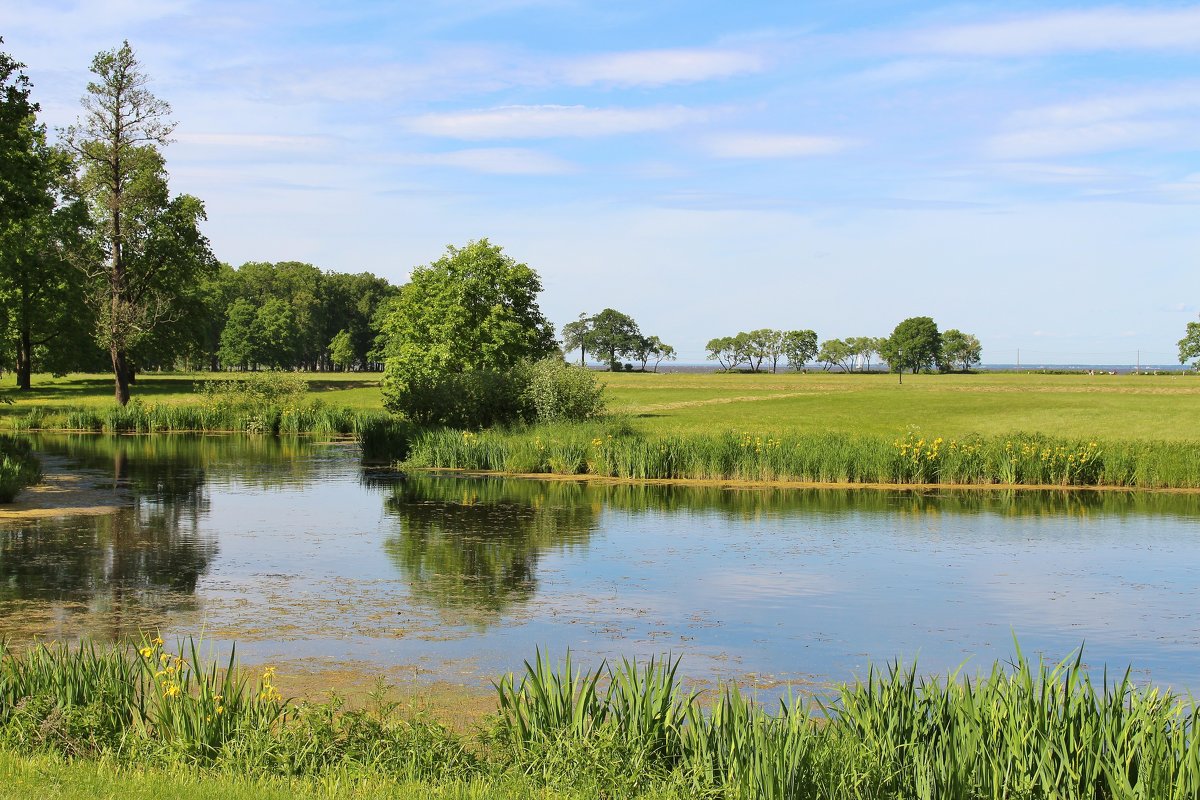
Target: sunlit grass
(620,450)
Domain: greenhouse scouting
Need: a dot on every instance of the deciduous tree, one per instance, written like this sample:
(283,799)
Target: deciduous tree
(457,331)
(960,349)
(1189,345)
(799,347)
(150,244)
(915,344)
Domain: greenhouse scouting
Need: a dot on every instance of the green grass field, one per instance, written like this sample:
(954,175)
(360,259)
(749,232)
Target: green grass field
(1126,407)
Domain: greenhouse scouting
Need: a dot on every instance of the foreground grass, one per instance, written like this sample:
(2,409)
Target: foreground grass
(52,777)
(89,720)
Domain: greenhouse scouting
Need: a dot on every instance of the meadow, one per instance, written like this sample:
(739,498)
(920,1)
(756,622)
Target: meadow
(1126,407)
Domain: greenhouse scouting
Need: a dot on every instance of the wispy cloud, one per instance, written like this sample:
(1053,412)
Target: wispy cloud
(660,67)
(549,121)
(774,145)
(1077,140)
(1099,124)
(495,161)
(1111,28)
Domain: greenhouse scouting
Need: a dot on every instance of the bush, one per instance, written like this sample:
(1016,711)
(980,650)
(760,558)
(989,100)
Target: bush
(557,391)
(546,390)
(19,467)
(254,390)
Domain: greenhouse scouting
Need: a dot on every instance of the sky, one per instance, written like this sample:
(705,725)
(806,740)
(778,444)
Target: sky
(1025,171)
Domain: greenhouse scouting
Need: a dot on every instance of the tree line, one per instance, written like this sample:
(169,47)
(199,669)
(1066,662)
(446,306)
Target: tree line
(102,266)
(915,344)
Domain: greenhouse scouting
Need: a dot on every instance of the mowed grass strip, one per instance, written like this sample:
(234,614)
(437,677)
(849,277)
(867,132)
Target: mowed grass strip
(1126,407)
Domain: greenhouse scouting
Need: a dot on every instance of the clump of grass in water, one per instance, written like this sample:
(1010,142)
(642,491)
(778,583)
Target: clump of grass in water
(19,468)
(619,452)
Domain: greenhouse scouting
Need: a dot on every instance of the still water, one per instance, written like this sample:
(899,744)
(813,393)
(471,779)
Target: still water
(296,552)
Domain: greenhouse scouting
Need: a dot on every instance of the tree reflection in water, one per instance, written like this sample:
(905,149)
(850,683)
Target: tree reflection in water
(475,545)
(110,575)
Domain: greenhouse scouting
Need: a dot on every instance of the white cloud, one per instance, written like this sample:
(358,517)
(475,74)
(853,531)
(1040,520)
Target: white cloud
(1112,28)
(660,67)
(774,145)
(1078,140)
(1118,106)
(549,121)
(495,161)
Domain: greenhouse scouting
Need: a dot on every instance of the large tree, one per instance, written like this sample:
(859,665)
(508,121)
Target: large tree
(1189,345)
(42,225)
(458,330)
(960,349)
(151,251)
(915,344)
(799,347)
(577,336)
(613,336)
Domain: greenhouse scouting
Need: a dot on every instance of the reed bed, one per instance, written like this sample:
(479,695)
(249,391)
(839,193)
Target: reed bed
(618,451)
(1023,731)
(201,418)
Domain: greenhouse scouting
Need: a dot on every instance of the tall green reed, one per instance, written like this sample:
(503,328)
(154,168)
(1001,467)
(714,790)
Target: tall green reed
(910,458)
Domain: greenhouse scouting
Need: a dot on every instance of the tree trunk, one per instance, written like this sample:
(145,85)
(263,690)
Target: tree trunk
(120,362)
(24,361)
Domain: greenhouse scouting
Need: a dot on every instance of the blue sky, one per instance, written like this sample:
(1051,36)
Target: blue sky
(1024,171)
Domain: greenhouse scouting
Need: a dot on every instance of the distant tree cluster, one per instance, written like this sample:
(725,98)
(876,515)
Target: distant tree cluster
(763,346)
(915,344)
(293,316)
(613,338)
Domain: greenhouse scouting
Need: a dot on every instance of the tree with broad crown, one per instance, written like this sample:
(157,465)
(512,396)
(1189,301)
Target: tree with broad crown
(1189,345)
(151,249)
(799,347)
(915,344)
(837,352)
(472,312)
(613,336)
(960,349)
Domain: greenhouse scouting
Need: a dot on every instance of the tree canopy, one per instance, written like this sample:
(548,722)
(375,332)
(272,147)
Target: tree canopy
(473,313)
(1189,345)
(915,344)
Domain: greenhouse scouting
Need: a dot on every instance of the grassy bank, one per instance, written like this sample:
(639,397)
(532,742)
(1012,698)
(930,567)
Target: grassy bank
(131,717)
(619,450)
(140,417)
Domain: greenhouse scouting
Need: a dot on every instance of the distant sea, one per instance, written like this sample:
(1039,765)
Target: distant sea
(1119,369)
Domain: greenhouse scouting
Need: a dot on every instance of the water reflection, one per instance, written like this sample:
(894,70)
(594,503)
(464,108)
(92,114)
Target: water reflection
(476,545)
(290,548)
(124,569)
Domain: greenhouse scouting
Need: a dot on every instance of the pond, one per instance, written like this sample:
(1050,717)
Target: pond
(294,551)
